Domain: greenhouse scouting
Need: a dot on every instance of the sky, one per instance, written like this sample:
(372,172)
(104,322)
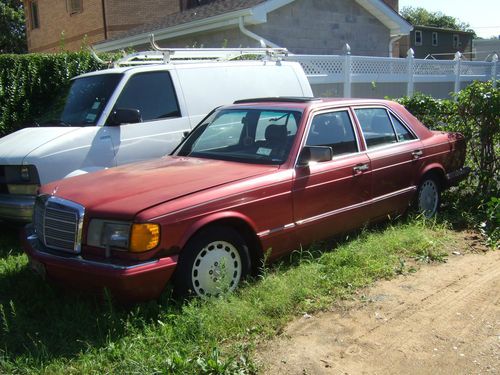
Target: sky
(482,15)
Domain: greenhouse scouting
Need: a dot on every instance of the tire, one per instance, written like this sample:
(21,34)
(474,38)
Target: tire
(213,262)
(428,197)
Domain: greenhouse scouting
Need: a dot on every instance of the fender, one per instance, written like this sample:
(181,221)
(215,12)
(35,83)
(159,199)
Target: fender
(213,218)
(429,167)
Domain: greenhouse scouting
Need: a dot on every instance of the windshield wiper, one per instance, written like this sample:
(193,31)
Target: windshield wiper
(54,122)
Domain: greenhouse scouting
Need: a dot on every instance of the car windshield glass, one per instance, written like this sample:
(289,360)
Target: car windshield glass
(262,136)
(87,98)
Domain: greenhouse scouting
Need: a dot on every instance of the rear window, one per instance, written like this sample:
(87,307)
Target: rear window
(377,127)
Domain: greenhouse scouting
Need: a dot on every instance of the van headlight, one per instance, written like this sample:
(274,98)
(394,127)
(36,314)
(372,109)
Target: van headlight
(134,237)
(18,189)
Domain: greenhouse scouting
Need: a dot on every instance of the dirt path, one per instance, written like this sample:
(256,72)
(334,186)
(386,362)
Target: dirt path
(444,319)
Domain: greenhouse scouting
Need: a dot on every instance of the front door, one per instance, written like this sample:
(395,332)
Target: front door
(331,197)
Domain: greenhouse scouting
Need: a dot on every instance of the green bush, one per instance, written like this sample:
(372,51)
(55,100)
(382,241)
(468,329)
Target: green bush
(474,112)
(29,84)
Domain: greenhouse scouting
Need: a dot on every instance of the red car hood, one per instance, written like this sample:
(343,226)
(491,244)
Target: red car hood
(125,191)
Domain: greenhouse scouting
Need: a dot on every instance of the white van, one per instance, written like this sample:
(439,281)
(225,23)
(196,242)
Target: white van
(127,114)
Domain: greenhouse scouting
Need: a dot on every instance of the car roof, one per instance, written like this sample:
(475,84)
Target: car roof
(302,103)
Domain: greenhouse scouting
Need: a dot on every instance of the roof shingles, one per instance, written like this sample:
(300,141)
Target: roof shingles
(205,11)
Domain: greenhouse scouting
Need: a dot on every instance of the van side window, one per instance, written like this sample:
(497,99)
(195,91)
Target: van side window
(335,130)
(152,94)
(401,130)
(376,126)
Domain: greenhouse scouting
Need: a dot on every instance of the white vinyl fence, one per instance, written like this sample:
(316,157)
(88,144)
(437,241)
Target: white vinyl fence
(378,77)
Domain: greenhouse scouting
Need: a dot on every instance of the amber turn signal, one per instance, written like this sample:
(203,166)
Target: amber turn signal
(144,237)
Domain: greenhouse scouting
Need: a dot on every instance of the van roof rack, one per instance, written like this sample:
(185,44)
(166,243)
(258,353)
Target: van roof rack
(278,99)
(161,55)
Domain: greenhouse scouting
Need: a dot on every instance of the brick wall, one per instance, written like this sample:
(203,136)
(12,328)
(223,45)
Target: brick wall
(88,26)
(55,21)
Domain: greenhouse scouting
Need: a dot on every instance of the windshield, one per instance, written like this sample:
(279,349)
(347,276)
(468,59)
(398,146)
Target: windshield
(87,98)
(245,135)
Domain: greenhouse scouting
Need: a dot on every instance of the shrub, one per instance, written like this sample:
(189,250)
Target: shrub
(30,83)
(475,113)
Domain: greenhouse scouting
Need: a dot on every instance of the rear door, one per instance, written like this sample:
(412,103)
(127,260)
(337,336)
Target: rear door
(331,197)
(394,152)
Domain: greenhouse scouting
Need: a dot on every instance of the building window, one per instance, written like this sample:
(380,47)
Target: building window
(74,6)
(456,41)
(434,39)
(418,37)
(196,3)
(35,21)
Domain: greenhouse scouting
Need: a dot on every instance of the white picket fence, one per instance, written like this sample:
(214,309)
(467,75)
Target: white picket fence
(355,76)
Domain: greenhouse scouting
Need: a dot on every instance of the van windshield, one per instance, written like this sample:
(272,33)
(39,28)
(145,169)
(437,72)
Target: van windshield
(87,98)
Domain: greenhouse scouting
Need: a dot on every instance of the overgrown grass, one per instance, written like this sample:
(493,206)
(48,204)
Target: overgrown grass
(43,330)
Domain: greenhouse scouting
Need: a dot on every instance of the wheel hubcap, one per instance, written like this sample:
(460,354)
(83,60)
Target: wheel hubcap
(428,198)
(216,269)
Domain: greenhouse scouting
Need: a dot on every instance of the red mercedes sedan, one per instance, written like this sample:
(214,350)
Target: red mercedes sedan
(260,176)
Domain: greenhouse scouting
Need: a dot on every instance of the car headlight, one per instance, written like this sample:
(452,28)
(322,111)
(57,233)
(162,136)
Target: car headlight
(123,235)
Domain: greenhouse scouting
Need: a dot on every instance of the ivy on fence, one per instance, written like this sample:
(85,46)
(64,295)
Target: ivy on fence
(30,83)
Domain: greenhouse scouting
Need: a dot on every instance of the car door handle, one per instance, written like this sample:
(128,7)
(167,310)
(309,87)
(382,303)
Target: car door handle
(417,153)
(360,168)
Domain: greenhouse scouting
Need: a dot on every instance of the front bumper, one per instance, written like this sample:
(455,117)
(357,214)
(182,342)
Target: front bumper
(16,207)
(140,281)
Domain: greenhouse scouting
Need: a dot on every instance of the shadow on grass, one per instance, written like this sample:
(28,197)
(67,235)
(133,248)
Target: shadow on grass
(9,239)
(43,321)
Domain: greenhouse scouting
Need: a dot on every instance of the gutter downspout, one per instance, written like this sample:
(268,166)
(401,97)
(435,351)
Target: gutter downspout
(393,39)
(103,2)
(263,42)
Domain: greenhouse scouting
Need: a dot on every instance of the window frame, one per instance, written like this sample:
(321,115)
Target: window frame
(435,40)
(71,10)
(321,111)
(419,32)
(125,86)
(389,113)
(456,41)
(34,15)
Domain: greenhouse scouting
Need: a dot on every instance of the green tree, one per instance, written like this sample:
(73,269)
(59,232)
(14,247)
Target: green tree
(12,27)
(422,17)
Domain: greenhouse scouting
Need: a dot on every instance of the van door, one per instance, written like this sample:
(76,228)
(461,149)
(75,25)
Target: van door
(162,126)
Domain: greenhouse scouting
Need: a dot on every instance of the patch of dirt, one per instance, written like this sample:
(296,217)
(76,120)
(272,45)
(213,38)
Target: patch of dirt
(443,319)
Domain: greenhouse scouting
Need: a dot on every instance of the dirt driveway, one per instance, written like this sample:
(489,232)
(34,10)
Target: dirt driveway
(443,319)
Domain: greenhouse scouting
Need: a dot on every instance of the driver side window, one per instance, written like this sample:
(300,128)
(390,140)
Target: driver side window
(333,129)
(152,93)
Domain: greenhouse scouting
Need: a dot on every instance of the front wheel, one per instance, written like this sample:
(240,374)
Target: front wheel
(213,262)
(428,197)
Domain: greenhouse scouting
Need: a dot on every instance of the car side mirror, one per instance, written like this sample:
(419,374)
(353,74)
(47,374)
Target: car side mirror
(314,154)
(121,116)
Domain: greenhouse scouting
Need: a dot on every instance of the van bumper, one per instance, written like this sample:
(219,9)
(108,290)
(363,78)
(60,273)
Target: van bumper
(127,282)
(17,208)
